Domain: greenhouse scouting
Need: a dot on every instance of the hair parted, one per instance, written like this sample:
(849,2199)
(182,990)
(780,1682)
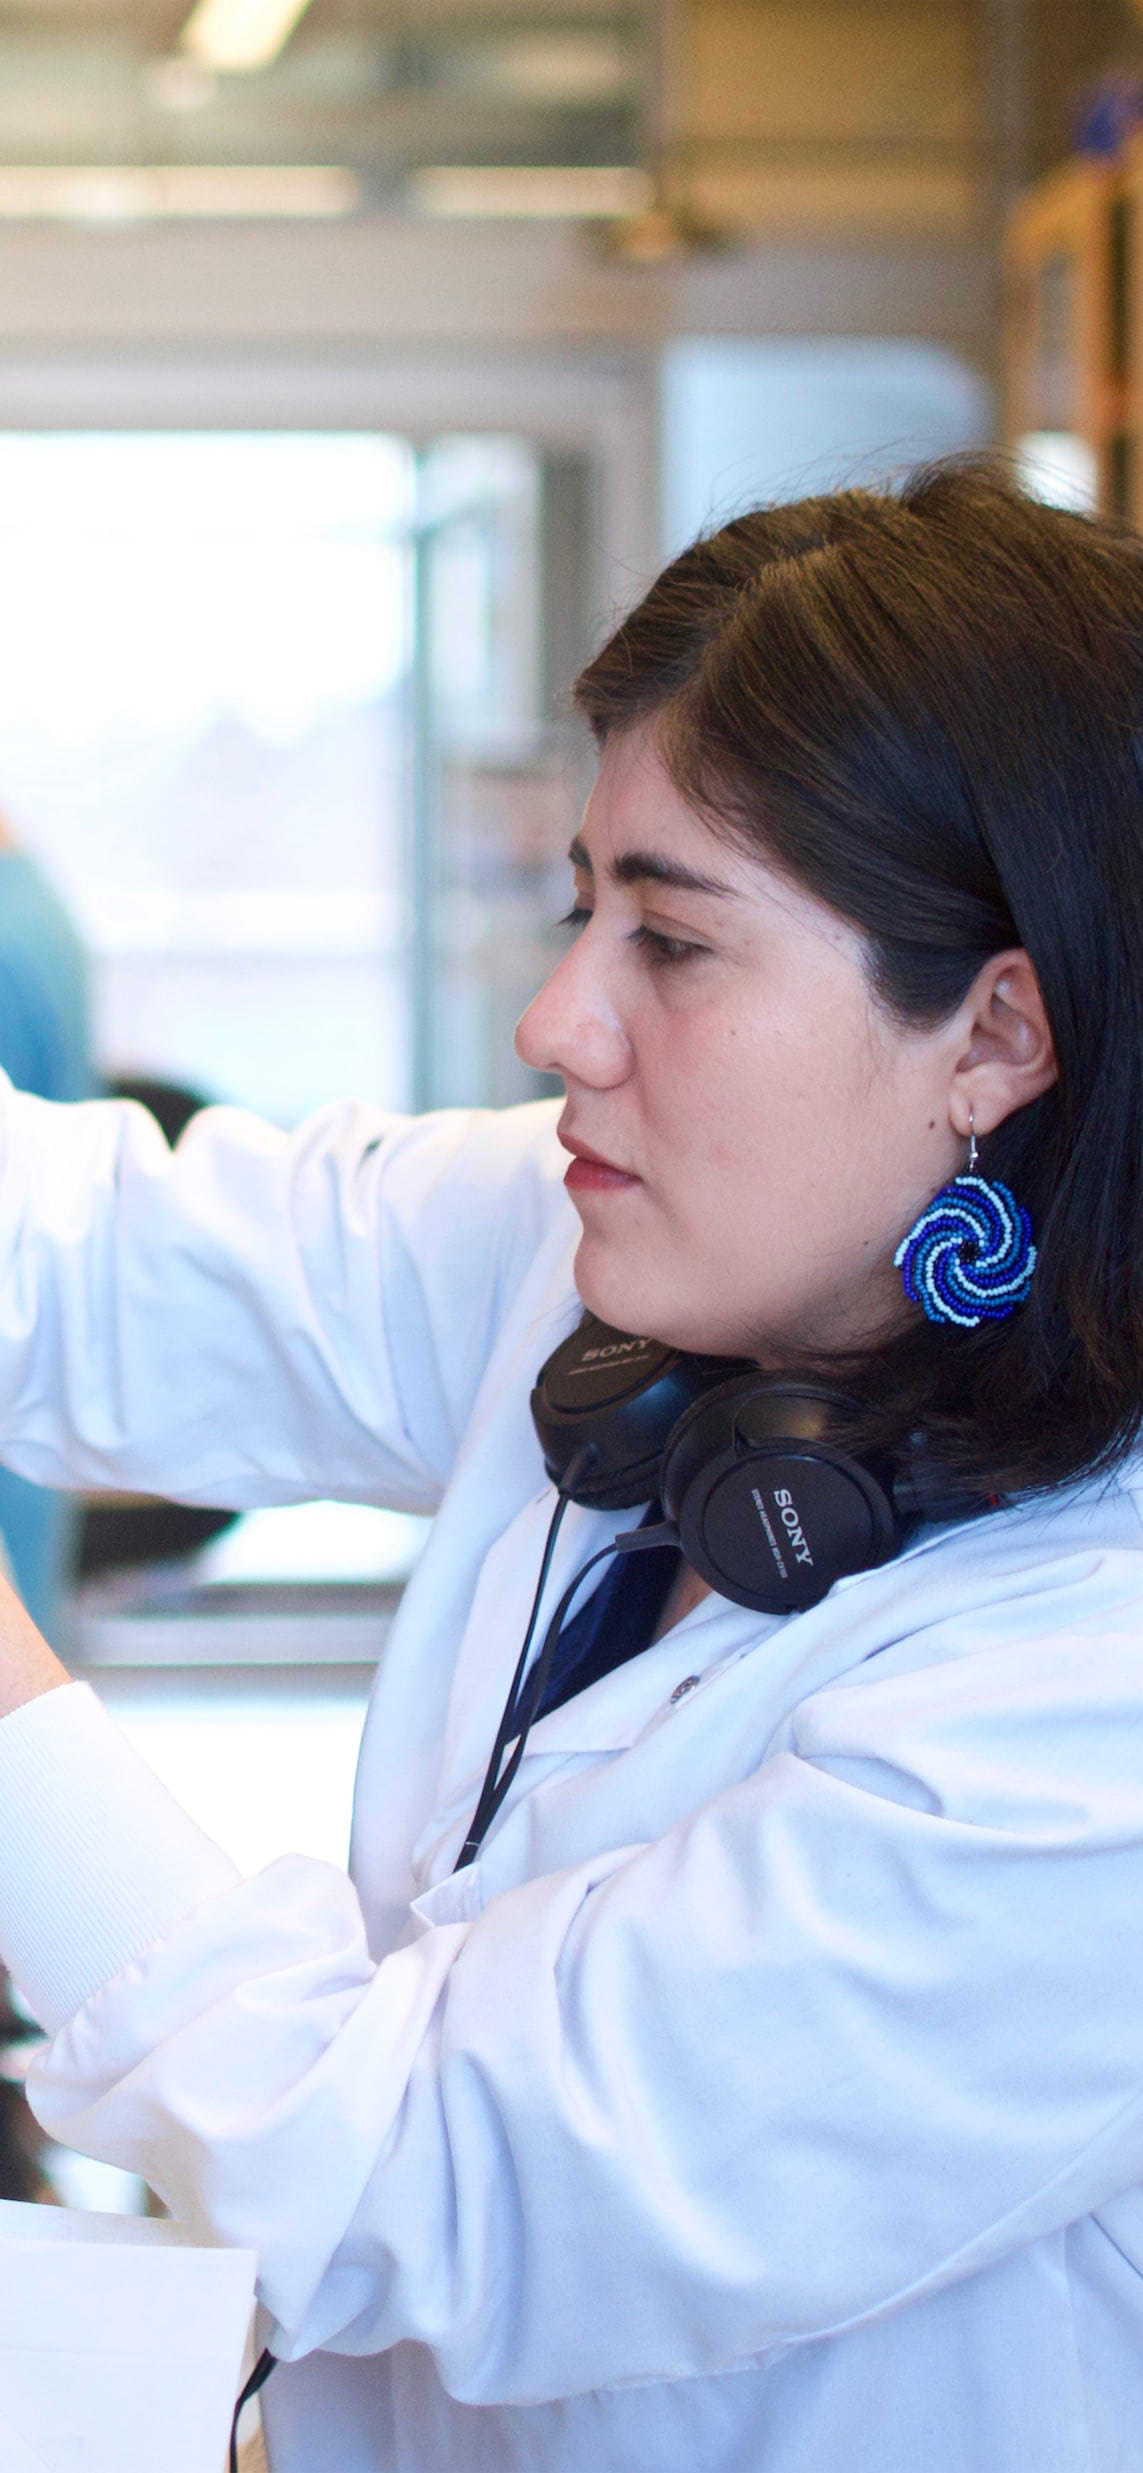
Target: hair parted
(927,708)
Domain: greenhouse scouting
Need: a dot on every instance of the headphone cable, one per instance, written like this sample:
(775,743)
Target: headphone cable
(266,2362)
(521,1707)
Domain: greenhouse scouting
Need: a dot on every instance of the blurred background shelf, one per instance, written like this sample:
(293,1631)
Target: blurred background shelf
(246,1623)
(1073,322)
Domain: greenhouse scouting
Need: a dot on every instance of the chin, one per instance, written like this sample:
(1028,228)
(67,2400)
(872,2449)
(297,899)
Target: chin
(623,1295)
(613,1290)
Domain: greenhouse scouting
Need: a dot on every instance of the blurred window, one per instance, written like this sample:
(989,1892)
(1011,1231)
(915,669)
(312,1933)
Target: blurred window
(248,683)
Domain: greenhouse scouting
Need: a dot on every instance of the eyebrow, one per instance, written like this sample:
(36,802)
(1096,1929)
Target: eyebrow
(646,867)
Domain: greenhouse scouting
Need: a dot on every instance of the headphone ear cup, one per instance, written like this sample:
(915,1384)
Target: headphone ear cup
(610,1400)
(770,1511)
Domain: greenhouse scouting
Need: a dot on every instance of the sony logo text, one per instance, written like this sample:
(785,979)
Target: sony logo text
(784,1502)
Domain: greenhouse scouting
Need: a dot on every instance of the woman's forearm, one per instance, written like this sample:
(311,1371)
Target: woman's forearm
(27,1665)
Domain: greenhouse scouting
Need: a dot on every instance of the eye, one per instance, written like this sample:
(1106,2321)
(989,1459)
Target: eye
(665,952)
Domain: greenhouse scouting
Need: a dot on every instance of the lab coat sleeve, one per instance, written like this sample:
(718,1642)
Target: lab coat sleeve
(868,2021)
(258,1317)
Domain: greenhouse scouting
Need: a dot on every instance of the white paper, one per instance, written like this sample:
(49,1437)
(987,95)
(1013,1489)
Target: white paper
(15,2454)
(121,2344)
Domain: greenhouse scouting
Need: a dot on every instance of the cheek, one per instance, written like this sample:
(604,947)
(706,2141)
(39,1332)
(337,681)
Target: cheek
(714,1117)
(796,1120)
(782,1097)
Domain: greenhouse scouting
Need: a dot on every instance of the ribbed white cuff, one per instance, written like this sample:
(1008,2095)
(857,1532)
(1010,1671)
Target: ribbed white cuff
(97,1859)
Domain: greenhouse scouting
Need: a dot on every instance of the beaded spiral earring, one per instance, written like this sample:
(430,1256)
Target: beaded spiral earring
(969,1258)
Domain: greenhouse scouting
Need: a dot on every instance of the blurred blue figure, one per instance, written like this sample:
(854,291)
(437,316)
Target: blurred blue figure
(45,1046)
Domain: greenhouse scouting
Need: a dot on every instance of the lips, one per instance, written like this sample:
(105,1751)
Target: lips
(583,1150)
(590,1172)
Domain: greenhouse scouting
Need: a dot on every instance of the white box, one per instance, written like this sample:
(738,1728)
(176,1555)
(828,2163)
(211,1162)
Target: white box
(121,2344)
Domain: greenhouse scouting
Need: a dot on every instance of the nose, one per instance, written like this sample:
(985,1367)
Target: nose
(571,1028)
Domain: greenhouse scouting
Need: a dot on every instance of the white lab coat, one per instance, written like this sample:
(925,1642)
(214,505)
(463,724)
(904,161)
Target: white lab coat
(768,2097)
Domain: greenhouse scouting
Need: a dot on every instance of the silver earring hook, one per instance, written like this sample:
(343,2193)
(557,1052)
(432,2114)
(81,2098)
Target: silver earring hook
(971,1168)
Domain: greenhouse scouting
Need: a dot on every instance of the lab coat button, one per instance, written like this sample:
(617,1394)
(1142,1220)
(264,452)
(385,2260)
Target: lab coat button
(681,1689)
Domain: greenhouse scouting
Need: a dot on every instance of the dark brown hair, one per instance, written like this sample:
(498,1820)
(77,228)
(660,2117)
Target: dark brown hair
(927,708)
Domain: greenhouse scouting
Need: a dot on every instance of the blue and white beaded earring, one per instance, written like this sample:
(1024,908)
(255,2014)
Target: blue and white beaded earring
(969,1258)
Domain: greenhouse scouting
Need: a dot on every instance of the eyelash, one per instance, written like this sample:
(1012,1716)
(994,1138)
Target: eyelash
(663,952)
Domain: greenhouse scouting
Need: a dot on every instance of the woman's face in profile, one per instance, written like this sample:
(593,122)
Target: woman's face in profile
(751,1134)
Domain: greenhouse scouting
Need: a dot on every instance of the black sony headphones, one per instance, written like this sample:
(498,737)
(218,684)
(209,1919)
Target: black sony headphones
(762,1492)
(770,1505)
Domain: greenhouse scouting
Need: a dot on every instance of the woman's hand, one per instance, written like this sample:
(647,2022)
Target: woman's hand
(27,1665)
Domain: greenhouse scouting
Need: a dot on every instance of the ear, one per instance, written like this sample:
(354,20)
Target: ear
(1007,1056)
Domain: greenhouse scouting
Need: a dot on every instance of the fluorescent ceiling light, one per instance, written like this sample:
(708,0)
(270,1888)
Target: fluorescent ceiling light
(546,65)
(139,193)
(577,191)
(239,34)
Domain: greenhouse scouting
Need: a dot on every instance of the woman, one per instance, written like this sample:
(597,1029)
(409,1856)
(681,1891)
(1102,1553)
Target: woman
(766,2096)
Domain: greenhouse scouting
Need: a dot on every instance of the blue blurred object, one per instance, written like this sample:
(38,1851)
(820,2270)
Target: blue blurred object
(45,1047)
(1105,114)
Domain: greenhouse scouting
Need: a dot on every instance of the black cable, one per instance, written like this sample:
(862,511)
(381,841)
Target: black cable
(581,1463)
(520,1709)
(266,2362)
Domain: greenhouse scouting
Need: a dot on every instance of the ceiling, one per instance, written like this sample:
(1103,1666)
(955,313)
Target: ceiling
(380,88)
(749,113)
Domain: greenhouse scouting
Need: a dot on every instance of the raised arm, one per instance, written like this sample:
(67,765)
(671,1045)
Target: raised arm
(258,1317)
